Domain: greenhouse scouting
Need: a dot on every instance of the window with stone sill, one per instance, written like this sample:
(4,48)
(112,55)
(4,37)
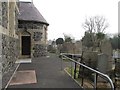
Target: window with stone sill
(4,14)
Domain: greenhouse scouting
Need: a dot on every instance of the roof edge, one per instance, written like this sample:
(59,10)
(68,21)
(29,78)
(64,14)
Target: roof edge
(34,21)
(25,2)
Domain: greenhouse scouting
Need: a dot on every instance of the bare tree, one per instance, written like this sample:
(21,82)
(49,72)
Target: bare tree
(68,38)
(94,34)
(89,25)
(95,24)
(95,27)
(100,24)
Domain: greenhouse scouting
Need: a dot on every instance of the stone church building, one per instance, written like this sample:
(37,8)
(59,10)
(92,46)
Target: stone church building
(32,31)
(23,34)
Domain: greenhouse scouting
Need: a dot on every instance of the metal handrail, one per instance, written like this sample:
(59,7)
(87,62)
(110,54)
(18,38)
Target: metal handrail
(102,74)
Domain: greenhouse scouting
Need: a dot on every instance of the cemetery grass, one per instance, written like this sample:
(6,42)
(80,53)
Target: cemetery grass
(66,60)
(87,83)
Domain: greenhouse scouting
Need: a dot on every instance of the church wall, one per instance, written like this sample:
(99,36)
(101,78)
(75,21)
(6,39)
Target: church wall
(38,37)
(8,40)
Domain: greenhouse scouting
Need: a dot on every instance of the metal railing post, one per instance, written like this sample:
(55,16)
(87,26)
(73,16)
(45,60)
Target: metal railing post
(61,62)
(95,81)
(75,70)
(71,68)
(93,70)
(115,74)
(82,80)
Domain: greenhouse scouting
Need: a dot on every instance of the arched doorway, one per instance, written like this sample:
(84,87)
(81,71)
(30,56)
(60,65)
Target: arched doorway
(26,44)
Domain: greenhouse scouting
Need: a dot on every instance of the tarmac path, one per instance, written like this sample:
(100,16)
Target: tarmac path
(48,73)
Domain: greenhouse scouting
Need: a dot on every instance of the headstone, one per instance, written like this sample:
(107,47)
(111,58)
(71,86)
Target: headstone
(116,54)
(117,67)
(78,46)
(90,58)
(106,48)
(102,63)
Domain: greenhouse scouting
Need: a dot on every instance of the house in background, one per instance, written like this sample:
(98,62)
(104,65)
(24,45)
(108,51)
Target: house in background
(32,31)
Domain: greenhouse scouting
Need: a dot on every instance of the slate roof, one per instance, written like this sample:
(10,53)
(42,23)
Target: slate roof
(28,12)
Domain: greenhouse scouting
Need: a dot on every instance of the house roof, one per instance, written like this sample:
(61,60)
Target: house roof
(28,12)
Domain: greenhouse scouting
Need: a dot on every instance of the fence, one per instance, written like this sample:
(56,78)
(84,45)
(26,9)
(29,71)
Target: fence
(96,72)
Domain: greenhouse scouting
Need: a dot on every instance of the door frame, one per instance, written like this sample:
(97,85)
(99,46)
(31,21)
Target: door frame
(25,33)
(23,54)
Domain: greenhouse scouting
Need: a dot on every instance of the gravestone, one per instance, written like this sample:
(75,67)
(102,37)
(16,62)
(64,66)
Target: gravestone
(102,63)
(106,48)
(116,54)
(78,46)
(90,58)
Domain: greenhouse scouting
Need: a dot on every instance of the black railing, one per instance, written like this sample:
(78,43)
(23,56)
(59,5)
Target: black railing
(117,72)
(83,66)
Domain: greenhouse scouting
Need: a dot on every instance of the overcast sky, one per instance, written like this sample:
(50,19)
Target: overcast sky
(67,16)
